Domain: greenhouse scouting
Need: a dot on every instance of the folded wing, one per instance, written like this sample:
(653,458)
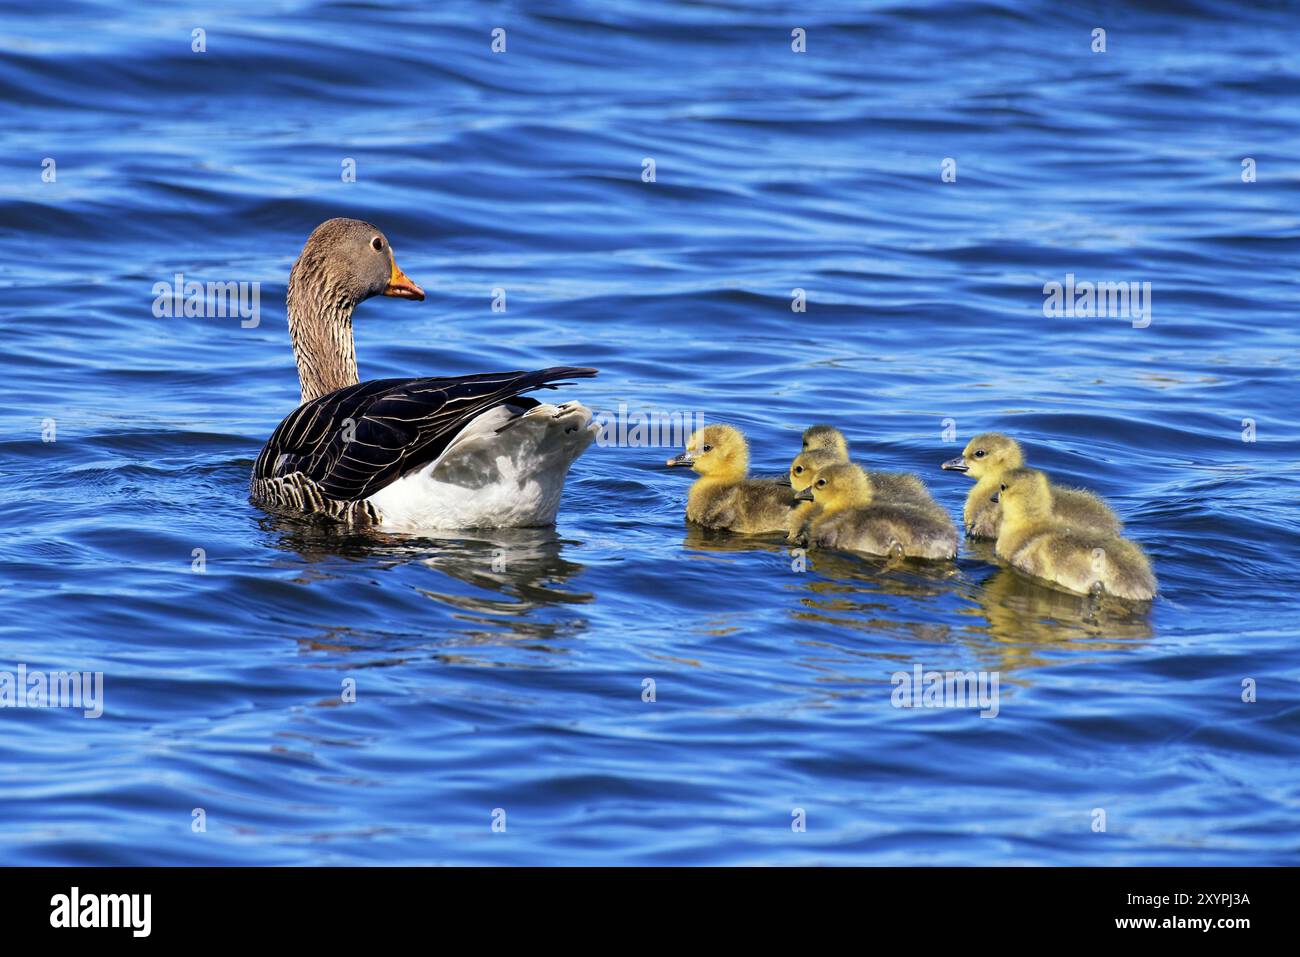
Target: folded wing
(349,444)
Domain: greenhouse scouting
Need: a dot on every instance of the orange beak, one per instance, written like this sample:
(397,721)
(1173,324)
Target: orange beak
(400,285)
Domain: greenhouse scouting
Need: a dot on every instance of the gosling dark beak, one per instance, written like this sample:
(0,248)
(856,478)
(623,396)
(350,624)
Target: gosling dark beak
(684,458)
(400,285)
(804,495)
(956,465)
(997,496)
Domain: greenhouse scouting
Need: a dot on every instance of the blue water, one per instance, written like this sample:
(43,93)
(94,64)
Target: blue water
(505,671)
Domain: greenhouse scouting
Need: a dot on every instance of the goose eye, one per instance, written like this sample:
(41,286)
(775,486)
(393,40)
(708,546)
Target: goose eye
(377,244)
(979,454)
(821,483)
(798,470)
(1004,488)
(708,448)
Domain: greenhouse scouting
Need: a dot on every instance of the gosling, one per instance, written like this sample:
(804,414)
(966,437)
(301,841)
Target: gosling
(724,496)
(987,458)
(851,519)
(828,444)
(1038,542)
(802,471)
(892,488)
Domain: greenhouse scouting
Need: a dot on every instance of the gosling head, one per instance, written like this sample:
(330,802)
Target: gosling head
(347,260)
(826,438)
(1025,495)
(806,465)
(716,451)
(990,453)
(837,486)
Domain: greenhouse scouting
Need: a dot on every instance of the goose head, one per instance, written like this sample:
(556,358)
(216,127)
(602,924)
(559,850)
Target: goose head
(351,261)
(716,451)
(826,438)
(1025,496)
(989,453)
(344,263)
(806,464)
(838,486)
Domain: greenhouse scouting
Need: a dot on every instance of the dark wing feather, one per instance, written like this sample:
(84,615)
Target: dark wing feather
(397,425)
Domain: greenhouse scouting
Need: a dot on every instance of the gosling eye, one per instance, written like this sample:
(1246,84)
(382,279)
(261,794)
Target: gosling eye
(1004,488)
(798,470)
(821,483)
(377,244)
(979,453)
(708,448)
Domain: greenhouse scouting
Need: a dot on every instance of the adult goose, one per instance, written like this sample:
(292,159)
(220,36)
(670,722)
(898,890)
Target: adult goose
(457,452)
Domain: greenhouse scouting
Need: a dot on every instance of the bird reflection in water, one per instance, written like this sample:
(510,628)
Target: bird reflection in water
(994,611)
(845,590)
(1007,619)
(1024,618)
(701,539)
(859,592)
(514,575)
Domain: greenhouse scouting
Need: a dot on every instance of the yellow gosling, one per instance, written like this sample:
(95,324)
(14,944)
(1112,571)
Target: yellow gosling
(724,496)
(802,470)
(851,519)
(829,445)
(888,488)
(806,464)
(987,458)
(826,438)
(1038,542)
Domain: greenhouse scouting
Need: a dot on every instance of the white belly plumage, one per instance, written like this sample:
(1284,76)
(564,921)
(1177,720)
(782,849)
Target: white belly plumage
(506,469)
